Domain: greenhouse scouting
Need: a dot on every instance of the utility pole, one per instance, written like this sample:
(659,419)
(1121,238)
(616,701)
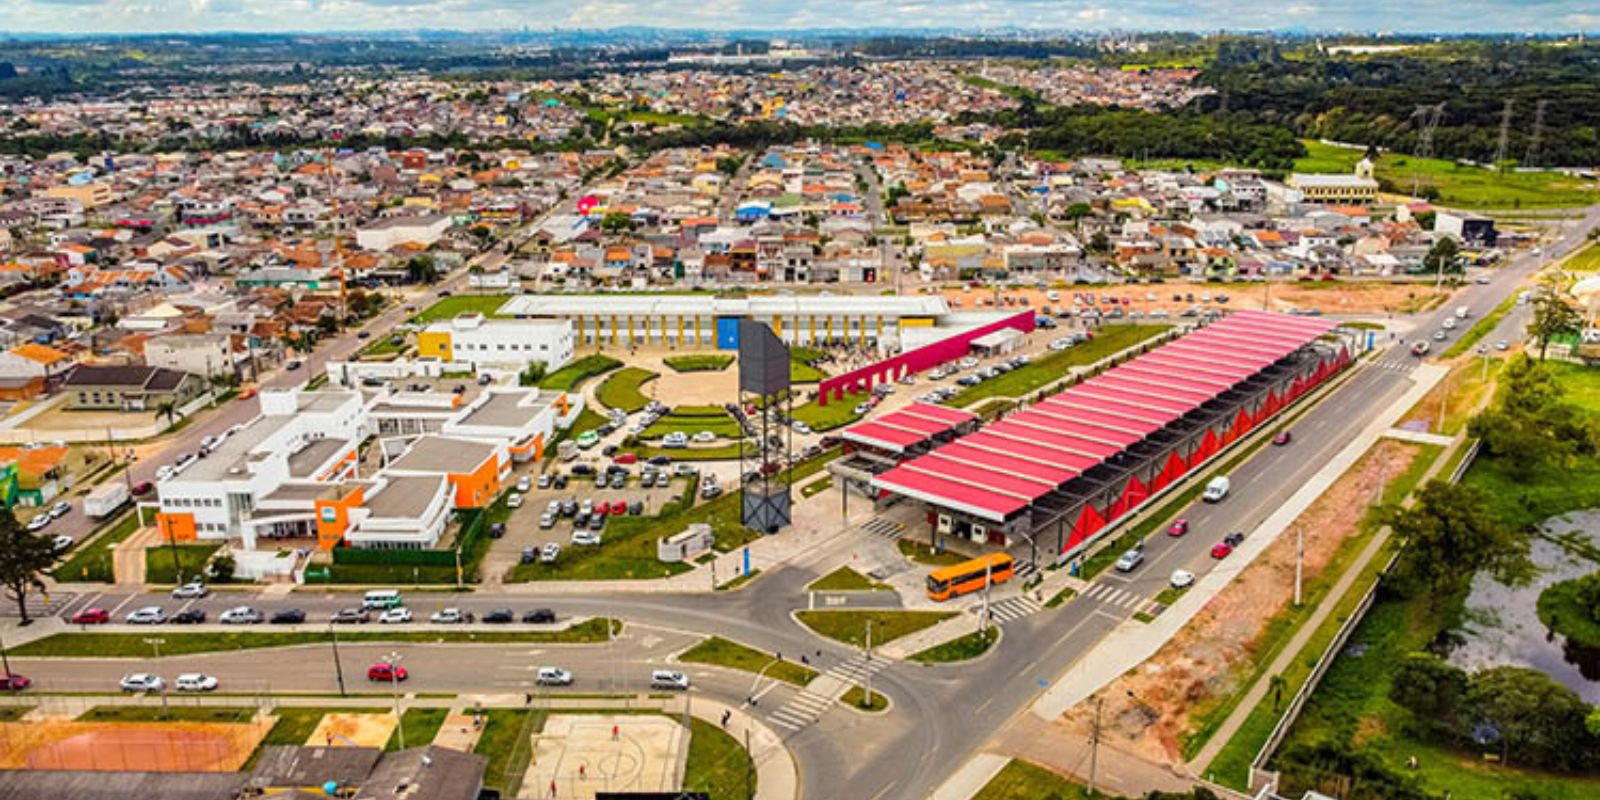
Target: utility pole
(988,573)
(1094,744)
(394,686)
(338,668)
(5,664)
(869,660)
(749,764)
(1299,560)
(1505,133)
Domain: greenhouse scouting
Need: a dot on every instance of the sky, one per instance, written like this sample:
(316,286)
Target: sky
(154,16)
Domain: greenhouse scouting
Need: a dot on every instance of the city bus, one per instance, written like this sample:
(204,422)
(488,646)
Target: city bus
(959,579)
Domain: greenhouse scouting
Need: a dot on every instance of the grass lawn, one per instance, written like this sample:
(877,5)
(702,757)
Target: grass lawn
(385,345)
(700,363)
(836,414)
(1480,329)
(816,487)
(724,653)
(1048,369)
(1521,501)
(574,374)
(588,419)
(92,561)
(132,645)
(719,452)
(174,713)
(718,764)
(964,648)
(1060,597)
(856,698)
(801,372)
(13,713)
(1021,780)
(1457,396)
(504,741)
(191,562)
(621,390)
(420,725)
(722,425)
(924,554)
(448,307)
(1458,185)
(850,626)
(845,579)
(1585,260)
(1560,611)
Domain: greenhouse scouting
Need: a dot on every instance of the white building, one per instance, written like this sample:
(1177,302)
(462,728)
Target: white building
(473,339)
(385,234)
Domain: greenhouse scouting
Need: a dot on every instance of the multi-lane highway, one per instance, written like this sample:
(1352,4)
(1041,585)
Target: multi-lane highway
(942,714)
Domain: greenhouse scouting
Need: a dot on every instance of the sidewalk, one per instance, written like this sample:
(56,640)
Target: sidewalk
(1134,642)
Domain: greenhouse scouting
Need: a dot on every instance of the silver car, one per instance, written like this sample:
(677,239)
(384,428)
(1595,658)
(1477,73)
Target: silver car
(149,615)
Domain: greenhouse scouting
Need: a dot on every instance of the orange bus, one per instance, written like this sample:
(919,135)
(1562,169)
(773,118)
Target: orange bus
(959,579)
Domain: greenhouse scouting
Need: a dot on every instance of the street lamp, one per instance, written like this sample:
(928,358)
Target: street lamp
(338,668)
(393,660)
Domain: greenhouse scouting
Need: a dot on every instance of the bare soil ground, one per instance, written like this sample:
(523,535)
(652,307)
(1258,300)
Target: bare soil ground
(129,746)
(356,730)
(1329,297)
(1151,707)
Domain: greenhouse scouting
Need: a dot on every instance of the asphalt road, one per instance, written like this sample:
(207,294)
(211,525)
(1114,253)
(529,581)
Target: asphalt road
(942,714)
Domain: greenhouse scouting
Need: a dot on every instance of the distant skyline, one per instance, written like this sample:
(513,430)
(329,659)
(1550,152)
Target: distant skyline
(198,16)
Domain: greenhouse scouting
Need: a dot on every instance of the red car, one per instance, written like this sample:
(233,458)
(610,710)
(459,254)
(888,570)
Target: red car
(143,488)
(1179,527)
(625,458)
(619,507)
(14,683)
(1221,550)
(1282,438)
(91,616)
(386,672)
(601,509)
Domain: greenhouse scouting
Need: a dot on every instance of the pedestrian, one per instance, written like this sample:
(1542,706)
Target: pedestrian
(616,732)
(552,790)
(583,774)
(727,714)
(330,740)
(527,699)
(805,660)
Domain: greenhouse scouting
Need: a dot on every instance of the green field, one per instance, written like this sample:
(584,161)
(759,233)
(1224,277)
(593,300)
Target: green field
(845,579)
(162,564)
(964,648)
(1048,369)
(1458,185)
(1585,260)
(836,414)
(801,372)
(420,726)
(233,714)
(925,555)
(132,645)
(623,389)
(850,627)
(574,374)
(449,307)
(855,697)
(699,363)
(1021,780)
(92,562)
(720,424)
(724,653)
(1548,490)
(504,741)
(718,764)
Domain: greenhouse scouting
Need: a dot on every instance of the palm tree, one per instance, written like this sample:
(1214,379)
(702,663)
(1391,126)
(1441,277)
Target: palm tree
(168,409)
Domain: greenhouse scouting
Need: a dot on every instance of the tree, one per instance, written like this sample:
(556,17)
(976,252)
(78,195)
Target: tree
(1444,256)
(1553,316)
(1100,243)
(1592,722)
(1428,687)
(422,269)
(223,567)
(1588,595)
(616,222)
(1537,718)
(23,558)
(1449,534)
(532,374)
(168,409)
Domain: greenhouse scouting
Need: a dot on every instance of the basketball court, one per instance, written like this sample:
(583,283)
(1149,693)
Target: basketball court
(580,756)
(353,730)
(130,746)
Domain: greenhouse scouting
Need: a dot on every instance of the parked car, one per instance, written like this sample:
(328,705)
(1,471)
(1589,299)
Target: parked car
(148,615)
(448,616)
(190,590)
(91,616)
(549,553)
(514,501)
(60,509)
(195,682)
(142,682)
(352,616)
(62,543)
(143,488)
(585,538)
(1130,560)
(554,676)
(386,672)
(240,615)
(499,616)
(523,483)
(543,616)
(288,616)
(394,616)
(189,616)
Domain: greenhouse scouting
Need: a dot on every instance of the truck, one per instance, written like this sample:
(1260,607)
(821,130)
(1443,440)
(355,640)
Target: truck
(567,450)
(106,500)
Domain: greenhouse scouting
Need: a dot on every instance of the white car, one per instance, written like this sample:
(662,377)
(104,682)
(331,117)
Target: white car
(801,428)
(60,509)
(1130,560)
(668,679)
(142,682)
(195,682)
(149,615)
(190,590)
(165,471)
(448,616)
(549,553)
(554,676)
(969,362)
(514,501)
(586,538)
(523,484)
(62,543)
(547,520)
(675,439)
(38,523)
(1182,579)
(705,436)
(395,615)
(240,615)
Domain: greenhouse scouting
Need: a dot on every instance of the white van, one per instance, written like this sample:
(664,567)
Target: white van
(381,599)
(1216,489)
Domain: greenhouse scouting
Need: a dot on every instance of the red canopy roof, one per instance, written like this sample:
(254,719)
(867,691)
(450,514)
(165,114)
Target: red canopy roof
(908,427)
(1006,466)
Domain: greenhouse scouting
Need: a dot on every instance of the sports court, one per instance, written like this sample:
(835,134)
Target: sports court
(353,730)
(130,746)
(579,755)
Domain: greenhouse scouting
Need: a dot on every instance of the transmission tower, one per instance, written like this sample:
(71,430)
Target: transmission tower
(1505,134)
(1538,133)
(1428,117)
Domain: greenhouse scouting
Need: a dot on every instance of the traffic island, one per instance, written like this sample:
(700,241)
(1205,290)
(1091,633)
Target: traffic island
(962,648)
(851,627)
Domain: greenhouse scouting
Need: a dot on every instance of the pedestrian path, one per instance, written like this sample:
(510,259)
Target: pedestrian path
(1111,595)
(887,528)
(1396,363)
(812,702)
(41,605)
(1010,609)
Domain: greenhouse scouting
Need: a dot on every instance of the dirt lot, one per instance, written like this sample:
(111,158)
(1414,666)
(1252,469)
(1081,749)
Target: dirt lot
(1218,647)
(355,730)
(124,746)
(1329,297)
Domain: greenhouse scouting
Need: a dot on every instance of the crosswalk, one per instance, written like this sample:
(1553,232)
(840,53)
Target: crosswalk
(1111,595)
(1010,609)
(809,706)
(40,605)
(887,528)
(1403,364)
(1024,570)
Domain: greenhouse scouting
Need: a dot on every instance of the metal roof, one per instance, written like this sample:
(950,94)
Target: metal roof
(1006,466)
(908,427)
